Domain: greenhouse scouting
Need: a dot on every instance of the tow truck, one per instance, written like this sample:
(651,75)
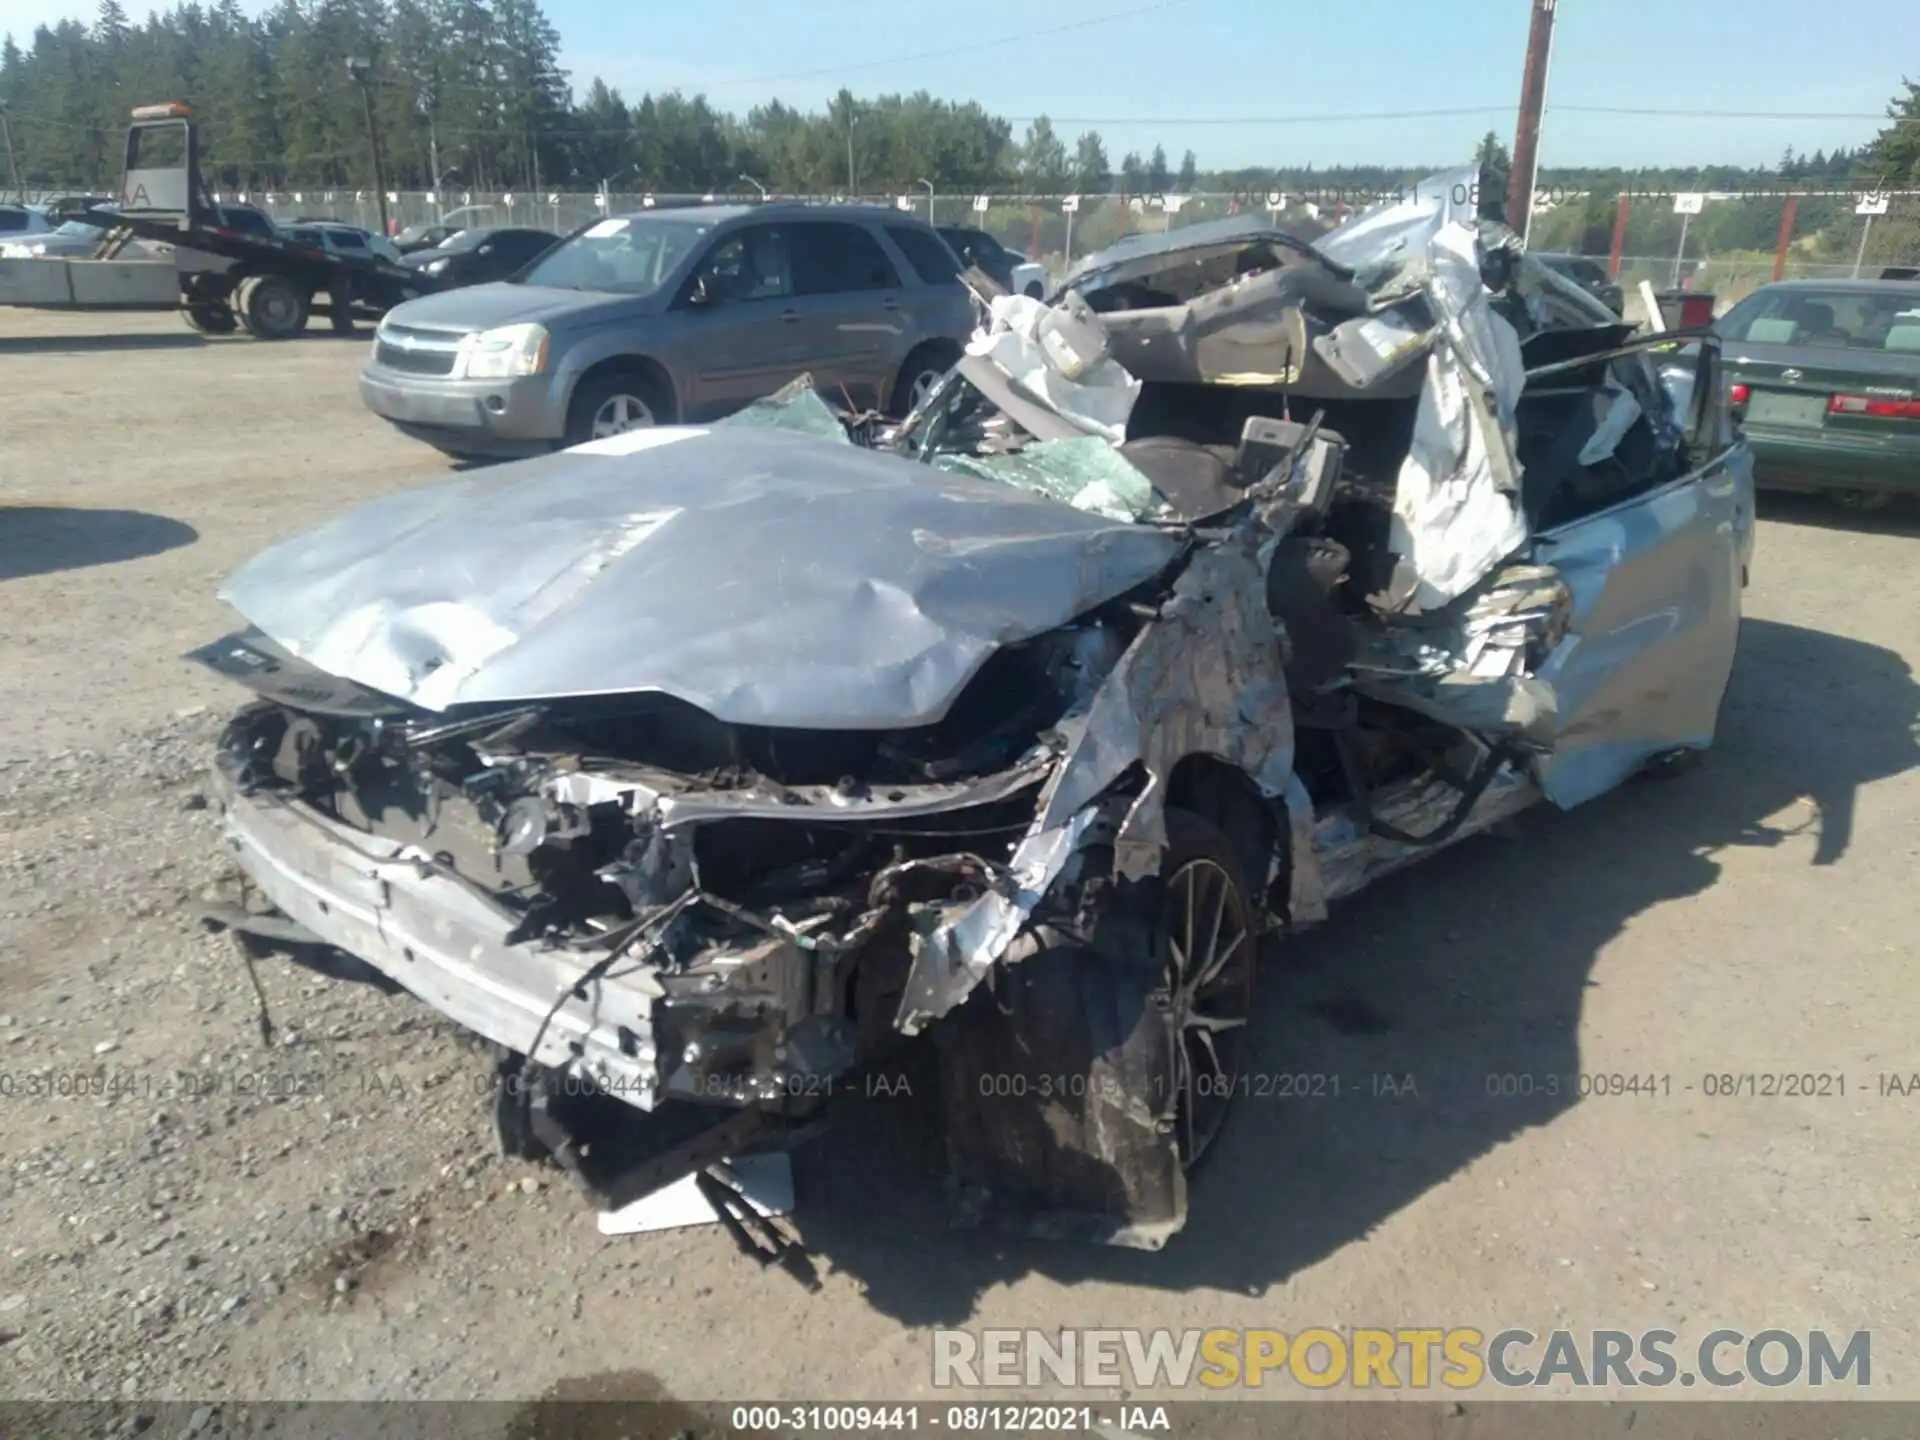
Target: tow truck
(221,277)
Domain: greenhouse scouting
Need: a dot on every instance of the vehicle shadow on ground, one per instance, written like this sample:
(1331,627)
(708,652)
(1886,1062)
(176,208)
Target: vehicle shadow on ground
(1473,965)
(95,344)
(44,539)
(1901,516)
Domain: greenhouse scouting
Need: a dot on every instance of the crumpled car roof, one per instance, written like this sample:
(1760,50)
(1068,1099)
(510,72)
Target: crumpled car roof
(1224,231)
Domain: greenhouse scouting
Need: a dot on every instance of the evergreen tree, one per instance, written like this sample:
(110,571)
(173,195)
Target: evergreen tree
(1091,171)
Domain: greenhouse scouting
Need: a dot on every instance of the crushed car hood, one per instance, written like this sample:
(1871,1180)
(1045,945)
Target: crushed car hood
(766,577)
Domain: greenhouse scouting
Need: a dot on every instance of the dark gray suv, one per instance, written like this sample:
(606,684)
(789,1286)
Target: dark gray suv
(673,315)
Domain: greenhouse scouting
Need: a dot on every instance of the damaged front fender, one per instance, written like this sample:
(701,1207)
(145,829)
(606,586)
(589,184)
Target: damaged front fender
(1203,677)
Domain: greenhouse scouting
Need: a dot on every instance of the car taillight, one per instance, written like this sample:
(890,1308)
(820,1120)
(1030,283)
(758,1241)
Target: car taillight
(1878,409)
(1738,393)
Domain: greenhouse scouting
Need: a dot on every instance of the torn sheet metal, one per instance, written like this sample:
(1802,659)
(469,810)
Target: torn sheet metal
(1451,521)
(1146,255)
(1306,886)
(1350,856)
(954,950)
(1202,679)
(1456,510)
(1061,360)
(1618,410)
(1251,331)
(1472,665)
(1368,349)
(766,579)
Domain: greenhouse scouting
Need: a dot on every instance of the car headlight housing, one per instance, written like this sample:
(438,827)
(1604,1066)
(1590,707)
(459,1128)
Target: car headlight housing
(436,267)
(502,354)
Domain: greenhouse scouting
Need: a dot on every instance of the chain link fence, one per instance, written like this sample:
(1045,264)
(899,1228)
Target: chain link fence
(1724,250)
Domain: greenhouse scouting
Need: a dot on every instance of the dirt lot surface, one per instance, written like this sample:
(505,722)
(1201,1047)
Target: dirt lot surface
(327,1218)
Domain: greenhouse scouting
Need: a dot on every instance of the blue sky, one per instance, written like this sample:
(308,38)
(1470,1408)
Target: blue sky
(1233,61)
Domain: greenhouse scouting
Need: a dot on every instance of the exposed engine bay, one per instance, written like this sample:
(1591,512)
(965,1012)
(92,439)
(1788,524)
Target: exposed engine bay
(1245,571)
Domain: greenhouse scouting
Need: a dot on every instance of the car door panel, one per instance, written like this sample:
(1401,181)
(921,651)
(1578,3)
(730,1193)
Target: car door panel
(750,337)
(1656,583)
(853,305)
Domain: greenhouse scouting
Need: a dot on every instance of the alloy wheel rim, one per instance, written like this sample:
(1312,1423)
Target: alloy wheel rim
(923,386)
(619,414)
(1210,980)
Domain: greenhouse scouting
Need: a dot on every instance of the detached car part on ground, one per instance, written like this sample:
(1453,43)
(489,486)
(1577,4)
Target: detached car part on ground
(697,767)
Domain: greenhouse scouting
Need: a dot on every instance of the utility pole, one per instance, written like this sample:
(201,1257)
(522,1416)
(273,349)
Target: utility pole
(361,70)
(13,165)
(432,107)
(1526,135)
(853,188)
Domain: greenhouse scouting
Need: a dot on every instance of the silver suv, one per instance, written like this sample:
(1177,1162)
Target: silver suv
(673,315)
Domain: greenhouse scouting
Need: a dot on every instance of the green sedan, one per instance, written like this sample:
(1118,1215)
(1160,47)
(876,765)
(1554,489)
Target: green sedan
(1825,382)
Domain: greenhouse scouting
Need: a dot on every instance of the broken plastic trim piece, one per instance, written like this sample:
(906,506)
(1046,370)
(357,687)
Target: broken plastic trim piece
(756,1234)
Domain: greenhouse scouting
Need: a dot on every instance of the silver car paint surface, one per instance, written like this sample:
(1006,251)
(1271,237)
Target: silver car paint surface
(768,578)
(561,578)
(1656,615)
(871,332)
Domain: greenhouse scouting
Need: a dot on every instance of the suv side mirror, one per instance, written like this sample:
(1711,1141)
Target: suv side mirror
(698,295)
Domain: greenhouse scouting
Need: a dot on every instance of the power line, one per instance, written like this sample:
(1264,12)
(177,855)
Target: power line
(1721,114)
(1501,109)
(970,47)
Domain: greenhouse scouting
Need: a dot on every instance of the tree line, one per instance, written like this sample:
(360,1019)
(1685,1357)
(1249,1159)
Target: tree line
(470,95)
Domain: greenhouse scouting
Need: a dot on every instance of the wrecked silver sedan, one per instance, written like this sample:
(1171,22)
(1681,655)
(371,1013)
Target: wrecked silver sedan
(695,768)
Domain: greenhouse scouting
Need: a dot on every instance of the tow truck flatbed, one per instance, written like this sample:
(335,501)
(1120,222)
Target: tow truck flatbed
(221,277)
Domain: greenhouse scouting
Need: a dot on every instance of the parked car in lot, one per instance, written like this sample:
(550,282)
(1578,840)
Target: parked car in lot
(1013,273)
(696,767)
(19,221)
(339,238)
(1590,275)
(427,234)
(76,240)
(1825,378)
(670,315)
(473,257)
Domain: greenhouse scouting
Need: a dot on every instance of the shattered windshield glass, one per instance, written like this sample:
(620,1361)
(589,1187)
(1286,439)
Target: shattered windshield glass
(1086,473)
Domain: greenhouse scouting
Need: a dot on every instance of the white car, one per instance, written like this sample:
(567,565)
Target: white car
(77,240)
(17,224)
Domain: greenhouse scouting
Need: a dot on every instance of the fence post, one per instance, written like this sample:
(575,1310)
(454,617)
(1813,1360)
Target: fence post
(1619,238)
(1786,237)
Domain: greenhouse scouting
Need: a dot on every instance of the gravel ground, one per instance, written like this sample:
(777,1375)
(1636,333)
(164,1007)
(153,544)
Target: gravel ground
(325,1217)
